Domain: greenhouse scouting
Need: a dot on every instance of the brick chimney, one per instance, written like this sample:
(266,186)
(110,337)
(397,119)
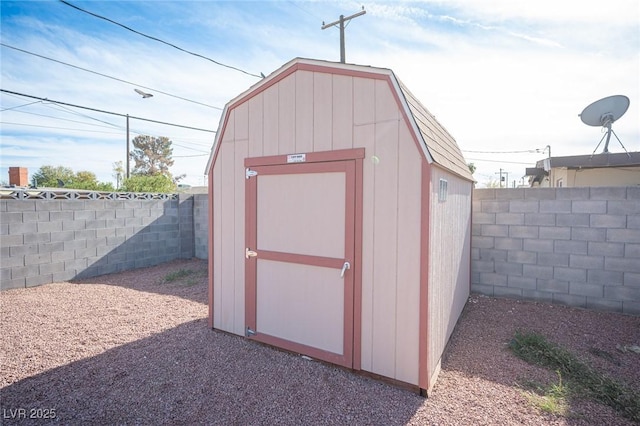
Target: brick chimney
(18,176)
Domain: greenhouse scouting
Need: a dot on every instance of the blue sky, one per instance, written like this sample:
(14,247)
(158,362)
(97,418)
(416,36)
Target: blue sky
(500,75)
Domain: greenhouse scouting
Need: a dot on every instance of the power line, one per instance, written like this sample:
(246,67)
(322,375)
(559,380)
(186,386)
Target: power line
(88,124)
(158,40)
(185,156)
(66,119)
(306,11)
(498,161)
(54,127)
(69,111)
(19,106)
(192,149)
(107,76)
(107,112)
(530,151)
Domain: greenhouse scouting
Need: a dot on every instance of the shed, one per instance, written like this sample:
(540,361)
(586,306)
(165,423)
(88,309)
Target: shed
(340,221)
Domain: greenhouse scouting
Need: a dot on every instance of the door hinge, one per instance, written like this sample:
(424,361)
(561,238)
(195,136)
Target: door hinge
(249,332)
(248,173)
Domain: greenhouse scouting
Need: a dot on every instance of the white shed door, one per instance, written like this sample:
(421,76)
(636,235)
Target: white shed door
(299,258)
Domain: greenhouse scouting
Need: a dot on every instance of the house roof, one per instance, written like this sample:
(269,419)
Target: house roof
(437,145)
(605,159)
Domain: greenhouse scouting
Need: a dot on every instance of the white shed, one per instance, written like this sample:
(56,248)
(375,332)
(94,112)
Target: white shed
(340,221)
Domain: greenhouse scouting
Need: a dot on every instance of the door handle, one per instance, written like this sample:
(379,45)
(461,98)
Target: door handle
(249,253)
(346,266)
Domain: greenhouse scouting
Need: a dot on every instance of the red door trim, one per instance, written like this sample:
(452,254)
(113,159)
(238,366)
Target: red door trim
(251,237)
(310,157)
(322,162)
(300,348)
(303,259)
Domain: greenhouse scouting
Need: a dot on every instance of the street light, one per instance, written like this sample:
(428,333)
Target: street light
(144,95)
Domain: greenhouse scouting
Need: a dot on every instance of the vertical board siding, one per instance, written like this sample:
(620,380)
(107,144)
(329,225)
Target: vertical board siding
(271,121)
(255,126)
(385,211)
(364,136)
(241,121)
(241,152)
(408,277)
(386,107)
(227,235)
(364,111)
(322,103)
(304,111)
(449,274)
(217,244)
(342,129)
(287,115)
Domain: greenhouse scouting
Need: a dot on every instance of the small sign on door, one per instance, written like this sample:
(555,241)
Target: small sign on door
(296,158)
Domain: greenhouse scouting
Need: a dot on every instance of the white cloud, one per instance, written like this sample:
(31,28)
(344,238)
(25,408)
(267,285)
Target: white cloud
(499,75)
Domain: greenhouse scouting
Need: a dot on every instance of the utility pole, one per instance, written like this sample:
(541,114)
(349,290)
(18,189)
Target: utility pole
(128,146)
(500,181)
(341,22)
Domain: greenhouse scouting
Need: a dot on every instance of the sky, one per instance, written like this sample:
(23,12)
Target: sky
(506,78)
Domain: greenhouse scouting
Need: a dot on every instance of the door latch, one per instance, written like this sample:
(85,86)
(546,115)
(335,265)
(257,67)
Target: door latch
(346,266)
(249,332)
(249,253)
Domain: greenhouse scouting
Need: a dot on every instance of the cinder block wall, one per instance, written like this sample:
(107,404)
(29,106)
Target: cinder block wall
(201,225)
(572,246)
(44,241)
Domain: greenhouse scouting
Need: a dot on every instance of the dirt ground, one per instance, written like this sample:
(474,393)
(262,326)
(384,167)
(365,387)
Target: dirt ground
(134,348)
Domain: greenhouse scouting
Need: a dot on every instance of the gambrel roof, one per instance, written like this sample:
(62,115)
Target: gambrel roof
(438,146)
(441,145)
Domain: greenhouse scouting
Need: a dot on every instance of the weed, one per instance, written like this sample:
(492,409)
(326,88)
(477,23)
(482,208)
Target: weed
(550,399)
(178,275)
(604,355)
(194,276)
(535,349)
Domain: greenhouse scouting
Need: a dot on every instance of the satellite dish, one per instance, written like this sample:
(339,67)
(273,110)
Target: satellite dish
(605,112)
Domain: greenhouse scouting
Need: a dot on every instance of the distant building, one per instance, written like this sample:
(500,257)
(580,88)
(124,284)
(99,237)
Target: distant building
(18,176)
(605,169)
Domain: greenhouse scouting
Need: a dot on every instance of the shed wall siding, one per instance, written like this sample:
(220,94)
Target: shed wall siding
(450,269)
(324,112)
(228,220)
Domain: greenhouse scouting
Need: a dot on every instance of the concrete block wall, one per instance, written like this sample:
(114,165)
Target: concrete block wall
(572,246)
(201,225)
(44,241)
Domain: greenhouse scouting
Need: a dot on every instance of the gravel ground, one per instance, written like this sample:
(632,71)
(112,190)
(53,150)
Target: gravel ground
(131,348)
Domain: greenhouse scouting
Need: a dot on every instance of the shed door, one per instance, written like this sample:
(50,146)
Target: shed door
(299,258)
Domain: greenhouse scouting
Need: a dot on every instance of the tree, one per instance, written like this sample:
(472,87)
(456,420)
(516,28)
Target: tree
(472,168)
(492,183)
(152,155)
(88,180)
(64,177)
(156,183)
(51,177)
(118,173)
